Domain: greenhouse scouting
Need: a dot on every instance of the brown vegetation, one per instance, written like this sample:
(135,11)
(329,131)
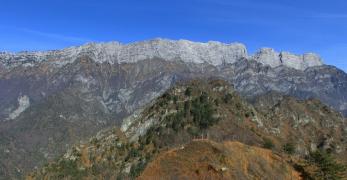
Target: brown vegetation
(210,160)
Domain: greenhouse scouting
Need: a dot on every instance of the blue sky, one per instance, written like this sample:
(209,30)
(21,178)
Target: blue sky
(292,25)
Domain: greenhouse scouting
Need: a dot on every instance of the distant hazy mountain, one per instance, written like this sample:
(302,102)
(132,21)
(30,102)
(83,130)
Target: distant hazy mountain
(50,100)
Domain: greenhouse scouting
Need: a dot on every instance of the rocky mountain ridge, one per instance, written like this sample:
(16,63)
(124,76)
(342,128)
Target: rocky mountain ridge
(212,52)
(185,116)
(59,100)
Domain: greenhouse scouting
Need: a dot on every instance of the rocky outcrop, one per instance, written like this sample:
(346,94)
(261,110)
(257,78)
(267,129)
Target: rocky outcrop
(312,59)
(300,62)
(268,56)
(272,58)
(23,104)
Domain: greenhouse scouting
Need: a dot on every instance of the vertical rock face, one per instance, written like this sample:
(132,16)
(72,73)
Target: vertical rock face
(212,52)
(268,56)
(291,60)
(312,59)
(272,58)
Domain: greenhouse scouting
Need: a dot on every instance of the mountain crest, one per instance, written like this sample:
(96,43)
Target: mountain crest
(212,52)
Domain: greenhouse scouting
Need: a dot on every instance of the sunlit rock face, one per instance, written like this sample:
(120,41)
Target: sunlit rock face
(268,56)
(212,52)
(312,60)
(272,58)
(292,60)
(215,53)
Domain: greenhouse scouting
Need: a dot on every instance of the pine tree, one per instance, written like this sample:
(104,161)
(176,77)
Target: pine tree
(327,167)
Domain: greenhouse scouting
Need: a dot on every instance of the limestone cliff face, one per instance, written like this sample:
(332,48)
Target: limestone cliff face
(272,58)
(300,62)
(312,59)
(268,56)
(212,52)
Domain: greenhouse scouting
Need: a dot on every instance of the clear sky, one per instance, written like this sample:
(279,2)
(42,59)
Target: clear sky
(292,25)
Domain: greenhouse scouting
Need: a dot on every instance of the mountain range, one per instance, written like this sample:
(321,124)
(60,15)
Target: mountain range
(53,99)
